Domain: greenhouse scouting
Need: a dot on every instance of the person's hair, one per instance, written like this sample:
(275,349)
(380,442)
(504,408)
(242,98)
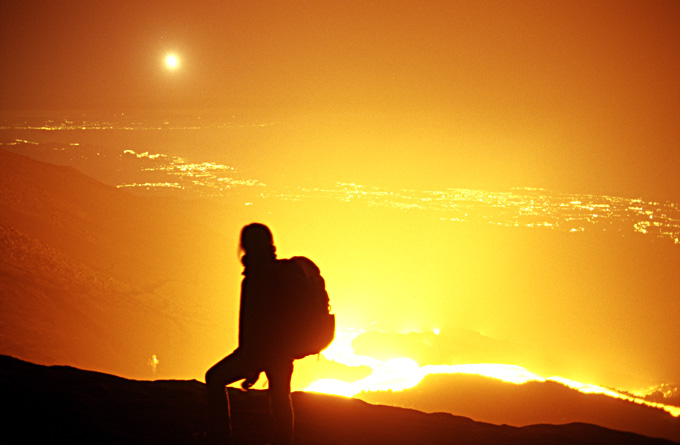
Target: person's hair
(257,241)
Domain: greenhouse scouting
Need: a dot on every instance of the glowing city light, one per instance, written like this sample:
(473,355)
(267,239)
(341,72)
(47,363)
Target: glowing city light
(153,362)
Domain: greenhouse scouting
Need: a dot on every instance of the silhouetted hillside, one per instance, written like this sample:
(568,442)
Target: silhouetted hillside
(495,401)
(63,404)
(93,276)
(133,238)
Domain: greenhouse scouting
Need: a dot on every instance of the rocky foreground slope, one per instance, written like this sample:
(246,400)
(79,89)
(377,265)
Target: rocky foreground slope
(59,404)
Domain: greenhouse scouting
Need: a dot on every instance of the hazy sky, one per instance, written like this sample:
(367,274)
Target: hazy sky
(581,96)
(532,57)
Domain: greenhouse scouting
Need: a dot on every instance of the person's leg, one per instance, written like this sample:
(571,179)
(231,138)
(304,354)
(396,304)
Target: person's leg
(279,374)
(230,369)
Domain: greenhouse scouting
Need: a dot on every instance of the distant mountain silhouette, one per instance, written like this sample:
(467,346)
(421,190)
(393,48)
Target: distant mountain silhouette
(495,401)
(65,404)
(131,237)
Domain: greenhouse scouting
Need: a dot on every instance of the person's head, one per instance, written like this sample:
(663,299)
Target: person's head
(257,241)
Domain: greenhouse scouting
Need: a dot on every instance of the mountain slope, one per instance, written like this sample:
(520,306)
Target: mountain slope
(495,401)
(58,404)
(95,277)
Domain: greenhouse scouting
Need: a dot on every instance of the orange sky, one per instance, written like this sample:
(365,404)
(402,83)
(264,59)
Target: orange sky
(581,94)
(519,55)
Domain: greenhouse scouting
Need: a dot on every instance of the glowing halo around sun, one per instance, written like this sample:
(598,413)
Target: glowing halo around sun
(171,62)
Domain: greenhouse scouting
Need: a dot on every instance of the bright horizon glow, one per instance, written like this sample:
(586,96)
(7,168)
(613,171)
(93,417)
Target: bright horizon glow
(403,373)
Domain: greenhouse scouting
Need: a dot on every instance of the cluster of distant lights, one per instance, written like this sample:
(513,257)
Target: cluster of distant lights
(128,122)
(90,125)
(526,207)
(164,173)
(205,178)
(533,208)
(529,207)
(521,207)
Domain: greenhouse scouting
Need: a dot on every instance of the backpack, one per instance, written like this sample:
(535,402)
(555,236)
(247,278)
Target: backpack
(312,328)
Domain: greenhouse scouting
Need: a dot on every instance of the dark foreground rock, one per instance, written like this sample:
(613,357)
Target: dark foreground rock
(59,404)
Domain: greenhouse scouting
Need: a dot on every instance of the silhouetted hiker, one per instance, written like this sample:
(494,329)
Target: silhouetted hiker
(283,316)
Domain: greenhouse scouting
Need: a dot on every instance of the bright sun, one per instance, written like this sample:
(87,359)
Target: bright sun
(171,61)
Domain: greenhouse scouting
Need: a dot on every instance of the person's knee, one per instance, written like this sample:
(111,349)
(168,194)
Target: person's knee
(210,377)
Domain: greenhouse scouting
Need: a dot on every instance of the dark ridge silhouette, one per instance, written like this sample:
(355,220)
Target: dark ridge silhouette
(64,404)
(495,401)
